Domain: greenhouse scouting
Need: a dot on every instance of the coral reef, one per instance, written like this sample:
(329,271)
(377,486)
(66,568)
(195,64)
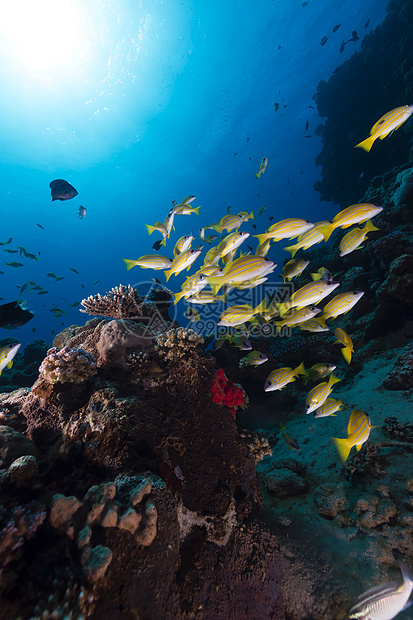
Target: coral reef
(401,375)
(176,342)
(397,430)
(67,366)
(121,302)
(256,444)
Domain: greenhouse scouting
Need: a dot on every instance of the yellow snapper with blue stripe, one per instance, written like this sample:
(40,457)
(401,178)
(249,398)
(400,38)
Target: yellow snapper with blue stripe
(241,270)
(385,125)
(319,371)
(292,444)
(181,262)
(183,244)
(384,602)
(322,274)
(308,295)
(205,297)
(295,316)
(263,248)
(293,268)
(237,315)
(285,229)
(254,358)
(340,304)
(344,339)
(329,408)
(312,325)
(280,377)
(192,285)
(231,222)
(308,239)
(7,354)
(358,432)
(354,214)
(262,168)
(231,242)
(353,239)
(149,261)
(319,394)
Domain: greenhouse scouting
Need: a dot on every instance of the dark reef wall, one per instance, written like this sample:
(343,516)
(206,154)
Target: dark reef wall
(372,82)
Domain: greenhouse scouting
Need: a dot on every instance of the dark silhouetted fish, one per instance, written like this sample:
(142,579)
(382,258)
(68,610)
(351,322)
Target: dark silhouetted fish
(354,37)
(336,27)
(40,226)
(74,270)
(6,242)
(157,245)
(323,41)
(342,46)
(276,106)
(306,126)
(81,212)
(62,190)
(367,23)
(13,315)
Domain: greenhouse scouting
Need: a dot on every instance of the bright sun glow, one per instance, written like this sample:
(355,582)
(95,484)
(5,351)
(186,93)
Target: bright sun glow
(42,37)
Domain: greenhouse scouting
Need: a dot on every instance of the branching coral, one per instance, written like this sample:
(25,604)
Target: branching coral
(122,302)
(67,366)
(175,343)
(100,508)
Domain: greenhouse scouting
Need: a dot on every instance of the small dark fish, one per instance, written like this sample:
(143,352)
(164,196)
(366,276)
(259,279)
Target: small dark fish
(15,265)
(21,250)
(33,329)
(2,273)
(13,315)
(81,212)
(250,248)
(40,226)
(367,23)
(261,211)
(37,288)
(271,218)
(354,36)
(259,196)
(312,107)
(235,154)
(75,304)
(51,275)
(62,190)
(174,203)
(32,256)
(157,245)
(279,47)
(23,287)
(276,106)
(248,139)
(60,278)
(342,46)
(74,270)
(6,242)
(306,126)
(156,281)
(336,27)
(11,251)
(43,293)
(304,4)
(309,136)
(82,285)
(229,209)
(96,281)
(323,41)
(31,282)
(254,226)
(52,331)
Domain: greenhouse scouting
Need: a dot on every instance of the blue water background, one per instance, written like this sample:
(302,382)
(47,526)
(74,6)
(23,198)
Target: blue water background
(158,100)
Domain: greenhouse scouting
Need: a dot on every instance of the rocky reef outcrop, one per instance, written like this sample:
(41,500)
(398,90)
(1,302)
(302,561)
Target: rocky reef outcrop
(127,490)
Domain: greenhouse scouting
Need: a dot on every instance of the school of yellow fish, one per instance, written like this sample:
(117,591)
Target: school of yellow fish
(226,267)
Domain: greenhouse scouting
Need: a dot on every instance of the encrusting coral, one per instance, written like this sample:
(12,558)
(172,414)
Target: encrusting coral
(67,366)
(176,342)
(99,508)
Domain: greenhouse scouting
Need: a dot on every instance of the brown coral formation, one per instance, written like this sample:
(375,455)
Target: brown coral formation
(121,302)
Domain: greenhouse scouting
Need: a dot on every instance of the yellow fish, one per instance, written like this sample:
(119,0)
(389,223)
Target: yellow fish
(295,316)
(307,240)
(340,304)
(192,285)
(354,214)
(183,244)
(181,262)
(292,444)
(319,371)
(308,295)
(160,228)
(286,229)
(294,268)
(149,261)
(344,338)
(280,377)
(205,297)
(312,325)
(329,408)
(237,315)
(263,167)
(353,239)
(385,125)
(7,354)
(231,222)
(183,209)
(241,270)
(319,394)
(358,432)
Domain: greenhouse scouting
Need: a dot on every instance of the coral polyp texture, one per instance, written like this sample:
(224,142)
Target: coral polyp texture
(176,342)
(67,366)
(121,302)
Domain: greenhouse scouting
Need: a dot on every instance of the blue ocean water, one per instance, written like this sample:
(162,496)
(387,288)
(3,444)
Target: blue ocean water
(139,103)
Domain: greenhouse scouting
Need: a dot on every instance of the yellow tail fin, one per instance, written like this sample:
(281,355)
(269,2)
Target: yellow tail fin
(300,370)
(150,228)
(343,447)
(370,226)
(129,263)
(292,249)
(325,230)
(366,144)
(315,276)
(258,175)
(346,351)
